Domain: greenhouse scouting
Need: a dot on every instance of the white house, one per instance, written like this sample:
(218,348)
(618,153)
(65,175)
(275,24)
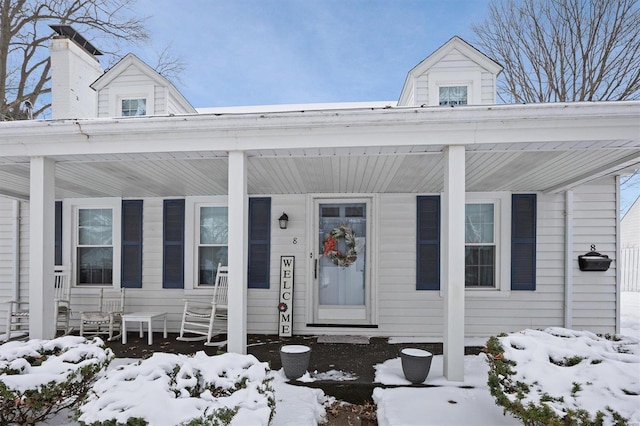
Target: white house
(630,248)
(630,227)
(467,217)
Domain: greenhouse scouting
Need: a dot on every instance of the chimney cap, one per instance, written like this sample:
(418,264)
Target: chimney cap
(69,32)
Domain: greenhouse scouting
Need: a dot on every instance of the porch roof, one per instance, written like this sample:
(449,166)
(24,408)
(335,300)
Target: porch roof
(538,147)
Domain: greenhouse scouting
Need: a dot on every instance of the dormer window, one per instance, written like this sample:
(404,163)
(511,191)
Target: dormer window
(134,107)
(453,95)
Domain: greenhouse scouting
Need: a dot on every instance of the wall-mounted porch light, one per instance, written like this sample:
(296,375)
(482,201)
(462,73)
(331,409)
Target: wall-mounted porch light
(283,220)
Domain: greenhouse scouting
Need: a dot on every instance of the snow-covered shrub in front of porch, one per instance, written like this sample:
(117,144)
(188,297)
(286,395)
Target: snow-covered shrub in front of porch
(40,378)
(560,376)
(183,390)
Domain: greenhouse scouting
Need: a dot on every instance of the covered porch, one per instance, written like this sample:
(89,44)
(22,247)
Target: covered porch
(546,149)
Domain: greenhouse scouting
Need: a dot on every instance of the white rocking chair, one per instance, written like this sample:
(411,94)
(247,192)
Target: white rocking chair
(62,301)
(18,310)
(108,319)
(199,317)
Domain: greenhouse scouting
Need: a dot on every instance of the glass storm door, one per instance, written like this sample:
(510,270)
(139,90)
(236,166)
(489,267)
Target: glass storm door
(341,271)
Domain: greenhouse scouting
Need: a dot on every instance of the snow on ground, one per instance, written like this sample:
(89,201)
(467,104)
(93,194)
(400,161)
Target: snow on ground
(174,388)
(446,404)
(583,370)
(453,405)
(75,353)
(630,314)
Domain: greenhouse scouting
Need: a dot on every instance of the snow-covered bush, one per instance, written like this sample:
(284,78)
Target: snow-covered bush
(560,376)
(183,390)
(39,378)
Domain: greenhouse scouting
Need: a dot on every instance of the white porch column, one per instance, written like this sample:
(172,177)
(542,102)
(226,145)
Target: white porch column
(41,247)
(453,241)
(238,224)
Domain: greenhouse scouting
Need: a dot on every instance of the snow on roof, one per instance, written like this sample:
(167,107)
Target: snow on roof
(295,107)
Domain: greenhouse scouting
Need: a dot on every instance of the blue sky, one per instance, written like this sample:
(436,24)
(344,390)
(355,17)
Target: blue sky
(261,52)
(253,52)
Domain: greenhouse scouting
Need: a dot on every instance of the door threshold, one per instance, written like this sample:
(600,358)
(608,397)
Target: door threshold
(343,325)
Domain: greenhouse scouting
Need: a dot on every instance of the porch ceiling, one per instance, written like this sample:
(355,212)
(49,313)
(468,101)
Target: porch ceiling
(321,171)
(539,147)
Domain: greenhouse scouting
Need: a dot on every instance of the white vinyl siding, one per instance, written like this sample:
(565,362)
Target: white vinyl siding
(399,309)
(131,83)
(451,64)
(7,254)
(594,293)
(262,304)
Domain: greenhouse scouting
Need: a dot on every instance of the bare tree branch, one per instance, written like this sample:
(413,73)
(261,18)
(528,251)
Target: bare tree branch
(25,35)
(169,66)
(564,50)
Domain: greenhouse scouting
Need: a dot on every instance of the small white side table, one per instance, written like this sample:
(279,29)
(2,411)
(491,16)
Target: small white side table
(143,317)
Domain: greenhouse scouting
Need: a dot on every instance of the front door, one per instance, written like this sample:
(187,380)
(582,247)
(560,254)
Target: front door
(341,266)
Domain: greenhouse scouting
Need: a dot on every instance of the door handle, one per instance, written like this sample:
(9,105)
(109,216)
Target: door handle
(315,269)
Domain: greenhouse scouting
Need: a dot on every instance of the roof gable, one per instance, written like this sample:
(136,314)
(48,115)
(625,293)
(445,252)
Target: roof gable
(111,75)
(455,43)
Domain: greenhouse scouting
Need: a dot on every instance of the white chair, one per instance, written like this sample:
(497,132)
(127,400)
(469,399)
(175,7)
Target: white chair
(18,310)
(107,320)
(200,317)
(62,300)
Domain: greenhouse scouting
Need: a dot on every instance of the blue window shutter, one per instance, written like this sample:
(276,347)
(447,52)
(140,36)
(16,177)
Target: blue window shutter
(428,243)
(173,244)
(523,242)
(259,242)
(58,234)
(131,276)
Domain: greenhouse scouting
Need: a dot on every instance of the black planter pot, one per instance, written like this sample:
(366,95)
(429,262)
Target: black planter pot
(416,364)
(295,360)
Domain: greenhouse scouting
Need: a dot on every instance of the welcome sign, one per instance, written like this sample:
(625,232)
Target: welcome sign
(285,307)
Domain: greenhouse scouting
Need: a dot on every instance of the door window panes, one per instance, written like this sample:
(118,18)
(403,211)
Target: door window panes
(342,285)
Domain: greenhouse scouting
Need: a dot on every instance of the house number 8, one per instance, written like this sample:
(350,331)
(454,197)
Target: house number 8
(295,240)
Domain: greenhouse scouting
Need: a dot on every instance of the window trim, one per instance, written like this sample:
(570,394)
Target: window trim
(192,237)
(137,99)
(495,241)
(442,86)
(472,80)
(118,93)
(70,209)
(198,244)
(502,240)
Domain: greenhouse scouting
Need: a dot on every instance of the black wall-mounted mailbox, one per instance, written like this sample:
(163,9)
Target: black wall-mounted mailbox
(594,261)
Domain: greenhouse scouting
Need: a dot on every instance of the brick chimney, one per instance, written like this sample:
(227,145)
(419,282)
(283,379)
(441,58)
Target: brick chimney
(74,67)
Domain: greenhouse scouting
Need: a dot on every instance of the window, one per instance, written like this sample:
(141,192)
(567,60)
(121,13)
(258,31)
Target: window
(480,245)
(134,107)
(499,227)
(453,95)
(212,242)
(127,101)
(94,246)
(455,88)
